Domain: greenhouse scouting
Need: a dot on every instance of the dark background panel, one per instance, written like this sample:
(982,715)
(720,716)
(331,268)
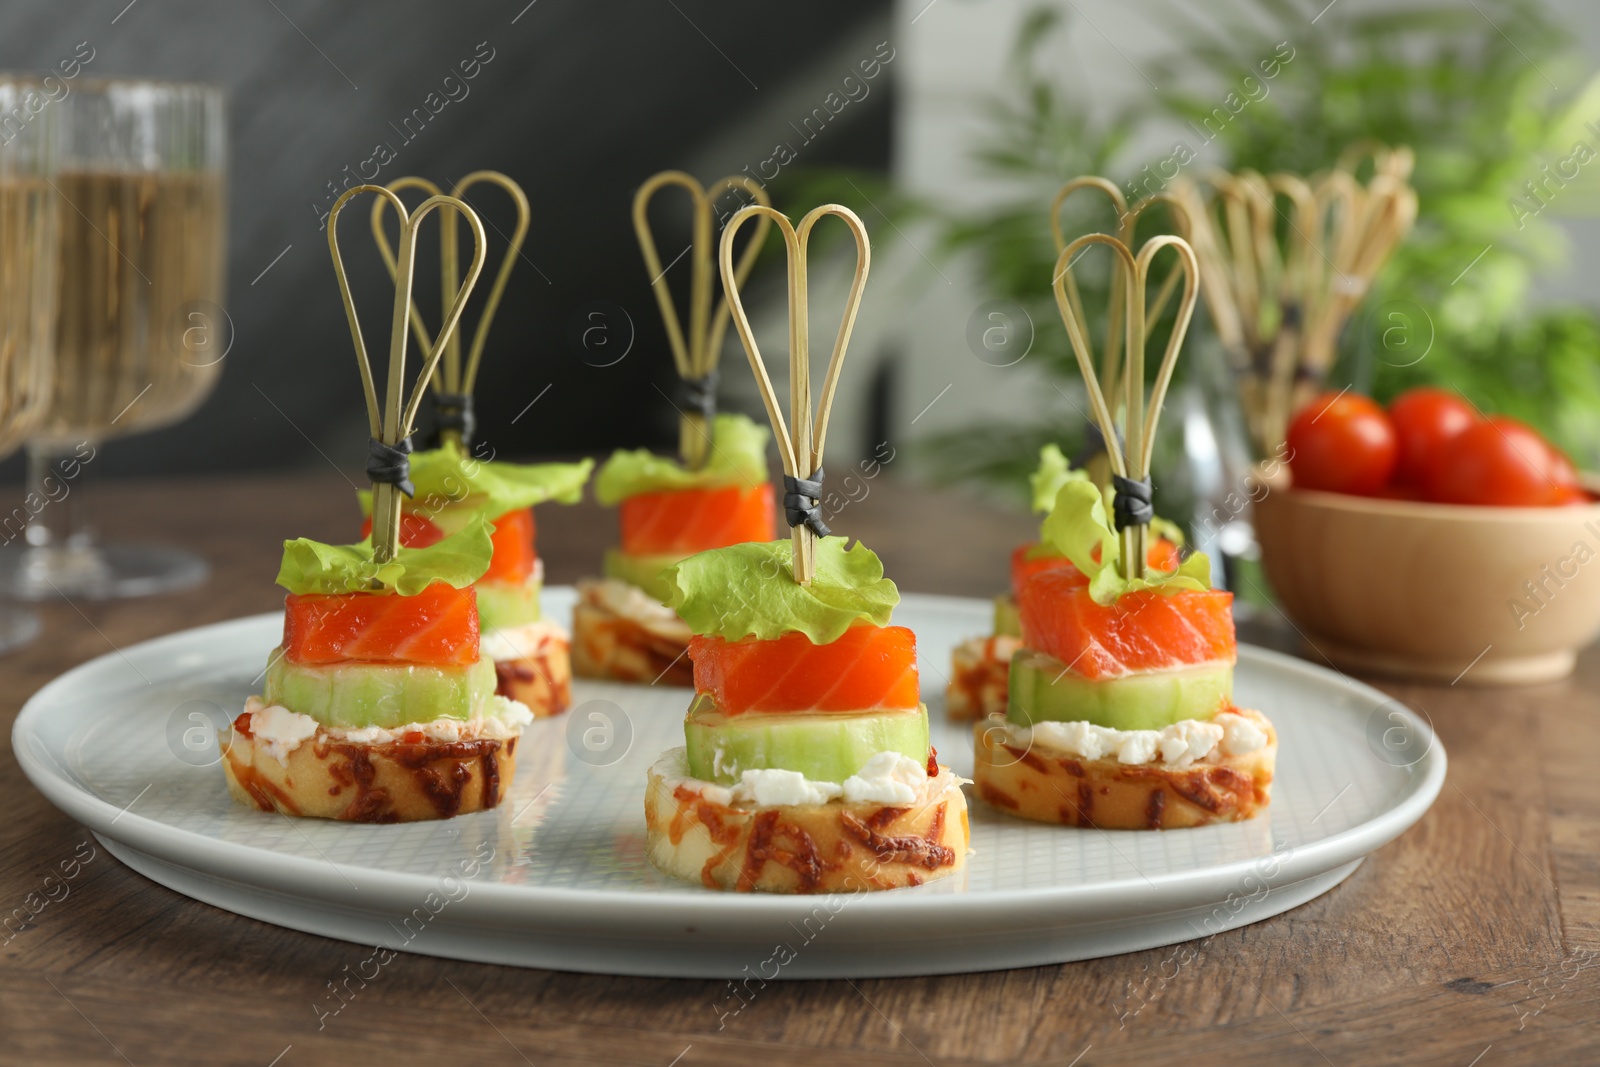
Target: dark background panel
(578,101)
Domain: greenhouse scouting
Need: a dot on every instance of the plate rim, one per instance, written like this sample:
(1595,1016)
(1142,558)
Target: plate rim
(327,880)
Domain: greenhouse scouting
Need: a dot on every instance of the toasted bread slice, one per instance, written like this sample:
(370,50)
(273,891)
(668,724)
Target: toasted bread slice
(1032,781)
(980,674)
(327,777)
(542,681)
(611,643)
(836,847)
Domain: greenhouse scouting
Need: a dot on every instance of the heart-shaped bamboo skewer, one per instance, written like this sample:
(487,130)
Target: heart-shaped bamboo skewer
(1280,304)
(1127,226)
(1113,337)
(392,423)
(451,379)
(1130,457)
(801,437)
(697,356)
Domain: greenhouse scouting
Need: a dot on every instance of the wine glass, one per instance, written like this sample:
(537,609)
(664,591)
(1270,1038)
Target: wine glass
(139,331)
(28,250)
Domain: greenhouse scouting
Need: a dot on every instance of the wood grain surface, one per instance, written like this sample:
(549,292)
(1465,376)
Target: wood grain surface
(1472,941)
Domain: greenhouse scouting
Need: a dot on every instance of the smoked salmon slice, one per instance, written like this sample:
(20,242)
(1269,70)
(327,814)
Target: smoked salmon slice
(415,530)
(1143,631)
(694,520)
(1162,555)
(513,536)
(438,627)
(869,668)
(514,555)
(1024,566)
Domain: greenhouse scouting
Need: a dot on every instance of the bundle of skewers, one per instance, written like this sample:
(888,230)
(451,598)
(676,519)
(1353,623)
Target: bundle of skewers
(1284,261)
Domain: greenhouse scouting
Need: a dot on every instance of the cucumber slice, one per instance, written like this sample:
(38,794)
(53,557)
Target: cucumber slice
(642,571)
(379,694)
(823,747)
(1044,690)
(1006,622)
(505,604)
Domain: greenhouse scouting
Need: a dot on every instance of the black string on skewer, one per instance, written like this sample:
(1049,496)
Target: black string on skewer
(700,394)
(390,465)
(453,411)
(1131,502)
(801,497)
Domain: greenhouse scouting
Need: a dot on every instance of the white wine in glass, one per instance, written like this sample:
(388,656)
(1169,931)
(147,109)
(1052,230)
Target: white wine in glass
(140,331)
(28,250)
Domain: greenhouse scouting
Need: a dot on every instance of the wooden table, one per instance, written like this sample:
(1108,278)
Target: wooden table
(1470,942)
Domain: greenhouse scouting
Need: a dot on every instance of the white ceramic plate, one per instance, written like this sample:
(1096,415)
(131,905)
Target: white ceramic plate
(556,877)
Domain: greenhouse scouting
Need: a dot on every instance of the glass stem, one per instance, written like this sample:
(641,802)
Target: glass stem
(56,476)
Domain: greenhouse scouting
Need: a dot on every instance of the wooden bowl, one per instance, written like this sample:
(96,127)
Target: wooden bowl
(1475,595)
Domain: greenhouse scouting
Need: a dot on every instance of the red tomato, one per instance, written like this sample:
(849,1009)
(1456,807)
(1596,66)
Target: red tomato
(1499,463)
(1342,443)
(1562,472)
(1573,494)
(1425,419)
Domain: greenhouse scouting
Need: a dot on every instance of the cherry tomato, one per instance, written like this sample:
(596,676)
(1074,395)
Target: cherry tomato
(1561,471)
(1425,419)
(1498,463)
(1342,443)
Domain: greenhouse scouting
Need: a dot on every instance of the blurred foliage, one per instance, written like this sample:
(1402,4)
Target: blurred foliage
(1041,136)
(1482,113)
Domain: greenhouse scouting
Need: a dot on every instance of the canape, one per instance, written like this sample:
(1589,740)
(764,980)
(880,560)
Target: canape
(714,494)
(459,481)
(622,628)
(455,487)
(379,705)
(1120,710)
(807,766)
(980,667)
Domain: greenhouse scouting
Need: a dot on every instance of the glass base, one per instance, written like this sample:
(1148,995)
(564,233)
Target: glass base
(97,572)
(18,627)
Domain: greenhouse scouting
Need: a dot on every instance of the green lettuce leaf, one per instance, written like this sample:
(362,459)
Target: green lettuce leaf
(738,457)
(1054,472)
(749,590)
(450,475)
(1168,530)
(458,560)
(1079,527)
(1080,523)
